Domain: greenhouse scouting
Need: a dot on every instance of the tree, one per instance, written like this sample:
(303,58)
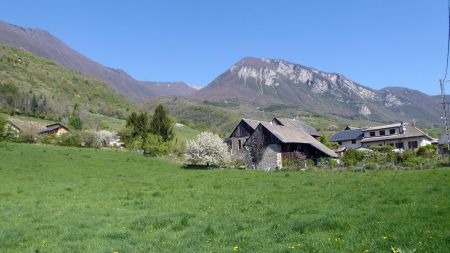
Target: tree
(75,121)
(139,124)
(324,140)
(34,105)
(3,123)
(161,124)
(208,149)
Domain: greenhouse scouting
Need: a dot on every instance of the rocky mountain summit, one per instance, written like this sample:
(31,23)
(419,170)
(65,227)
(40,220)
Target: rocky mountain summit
(264,82)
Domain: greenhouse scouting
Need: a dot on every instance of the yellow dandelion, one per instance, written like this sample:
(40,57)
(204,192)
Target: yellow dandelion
(385,237)
(236,248)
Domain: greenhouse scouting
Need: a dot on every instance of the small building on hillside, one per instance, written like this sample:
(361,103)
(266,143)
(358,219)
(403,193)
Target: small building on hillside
(270,144)
(349,138)
(54,129)
(295,123)
(240,134)
(401,136)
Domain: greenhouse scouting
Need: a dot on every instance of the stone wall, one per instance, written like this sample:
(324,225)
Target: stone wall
(269,157)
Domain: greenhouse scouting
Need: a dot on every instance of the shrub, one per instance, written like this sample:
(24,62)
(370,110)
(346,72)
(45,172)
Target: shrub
(89,139)
(237,163)
(382,149)
(154,145)
(70,140)
(208,149)
(429,151)
(352,157)
(26,138)
(179,148)
(415,162)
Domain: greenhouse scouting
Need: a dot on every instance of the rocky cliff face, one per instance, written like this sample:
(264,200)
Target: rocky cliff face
(264,82)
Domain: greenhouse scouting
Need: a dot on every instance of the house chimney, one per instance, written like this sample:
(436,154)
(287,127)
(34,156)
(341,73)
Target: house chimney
(402,127)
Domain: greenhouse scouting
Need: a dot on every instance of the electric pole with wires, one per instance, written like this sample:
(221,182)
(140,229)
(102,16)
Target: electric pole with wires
(444,107)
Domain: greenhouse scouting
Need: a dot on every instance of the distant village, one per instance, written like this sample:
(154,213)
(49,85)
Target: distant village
(268,145)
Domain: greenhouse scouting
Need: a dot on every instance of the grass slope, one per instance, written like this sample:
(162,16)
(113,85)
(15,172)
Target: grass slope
(56,199)
(24,75)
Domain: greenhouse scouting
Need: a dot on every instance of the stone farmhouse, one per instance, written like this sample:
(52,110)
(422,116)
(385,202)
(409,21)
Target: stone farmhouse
(265,145)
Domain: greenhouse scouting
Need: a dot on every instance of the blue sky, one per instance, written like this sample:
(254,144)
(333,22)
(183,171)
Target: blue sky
(377,43)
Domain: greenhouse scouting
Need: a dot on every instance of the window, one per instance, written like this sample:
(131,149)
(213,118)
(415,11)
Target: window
(391,131)
(239,144)
(372,134)
(382,133)
(399,145)
(353,141)
(412,144)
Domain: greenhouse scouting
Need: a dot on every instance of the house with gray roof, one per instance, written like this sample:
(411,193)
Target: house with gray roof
(265,145)
(349,138)
(54,129)
(271,144)
(401,136)
(295,123)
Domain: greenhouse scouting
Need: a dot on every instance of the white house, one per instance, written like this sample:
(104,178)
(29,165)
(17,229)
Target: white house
(400,136)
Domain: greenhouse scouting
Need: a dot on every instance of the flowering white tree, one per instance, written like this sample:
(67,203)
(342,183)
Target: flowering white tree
(208,149)
(105,137)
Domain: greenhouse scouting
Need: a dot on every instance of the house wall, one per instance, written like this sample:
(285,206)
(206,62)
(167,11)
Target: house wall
(349,144)
(235,151)
(421,141)
(61,131)
(377,132)
(270,158)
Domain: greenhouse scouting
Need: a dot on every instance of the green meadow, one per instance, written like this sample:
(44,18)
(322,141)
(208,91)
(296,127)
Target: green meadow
(58,199)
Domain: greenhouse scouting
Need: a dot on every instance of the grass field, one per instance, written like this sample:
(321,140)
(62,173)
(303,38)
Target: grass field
(57,199)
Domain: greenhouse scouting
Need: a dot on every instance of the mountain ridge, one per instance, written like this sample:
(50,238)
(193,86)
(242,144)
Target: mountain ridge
(43,43)
(263,81)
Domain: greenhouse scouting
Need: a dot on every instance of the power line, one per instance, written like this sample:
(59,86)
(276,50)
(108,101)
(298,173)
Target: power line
(443,81)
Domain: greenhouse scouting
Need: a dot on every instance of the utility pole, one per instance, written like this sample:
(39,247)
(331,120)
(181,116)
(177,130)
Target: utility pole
(444,107)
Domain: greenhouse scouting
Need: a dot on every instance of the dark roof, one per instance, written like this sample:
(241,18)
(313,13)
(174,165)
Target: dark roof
(354,134)
(409,132)
(297,124)
(52,127)
(296,135)
(252,123)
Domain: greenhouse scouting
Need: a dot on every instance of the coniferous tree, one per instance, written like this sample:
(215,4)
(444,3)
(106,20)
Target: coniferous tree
(75,120)
(34,104)
(161,124)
